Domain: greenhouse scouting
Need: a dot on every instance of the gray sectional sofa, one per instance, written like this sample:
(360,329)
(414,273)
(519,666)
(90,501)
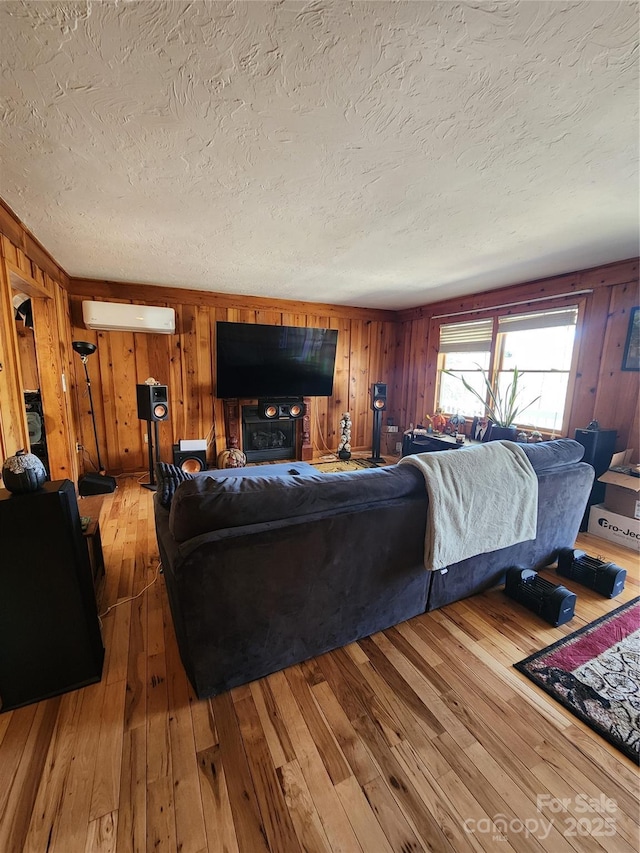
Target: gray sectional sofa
(266,568)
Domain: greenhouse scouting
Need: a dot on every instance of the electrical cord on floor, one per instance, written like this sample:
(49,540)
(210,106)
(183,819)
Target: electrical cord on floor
(86,453)
(159,571)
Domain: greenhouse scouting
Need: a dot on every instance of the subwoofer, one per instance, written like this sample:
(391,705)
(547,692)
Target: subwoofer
(379,396)
(153,402)
(190,461)
(280,409)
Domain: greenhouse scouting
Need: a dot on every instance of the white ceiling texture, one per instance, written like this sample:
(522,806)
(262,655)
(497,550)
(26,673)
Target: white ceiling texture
(377,154)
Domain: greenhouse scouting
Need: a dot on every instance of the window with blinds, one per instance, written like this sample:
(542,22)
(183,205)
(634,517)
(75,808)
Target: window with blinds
(474,336)
(537,343)
(539,320)
(465,348)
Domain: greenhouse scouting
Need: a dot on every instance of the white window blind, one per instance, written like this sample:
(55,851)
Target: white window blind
(473,336)
(539,320)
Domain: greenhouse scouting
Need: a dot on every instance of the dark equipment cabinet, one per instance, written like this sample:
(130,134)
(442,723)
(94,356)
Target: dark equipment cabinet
(50,640)
(427,443)
(599,446)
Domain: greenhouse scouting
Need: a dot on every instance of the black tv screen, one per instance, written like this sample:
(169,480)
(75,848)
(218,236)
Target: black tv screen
(274,361)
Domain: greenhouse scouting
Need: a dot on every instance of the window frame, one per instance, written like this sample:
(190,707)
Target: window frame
(498,343)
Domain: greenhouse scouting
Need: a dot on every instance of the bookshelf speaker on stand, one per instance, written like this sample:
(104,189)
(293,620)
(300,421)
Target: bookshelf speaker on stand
(378,404)
(153,407)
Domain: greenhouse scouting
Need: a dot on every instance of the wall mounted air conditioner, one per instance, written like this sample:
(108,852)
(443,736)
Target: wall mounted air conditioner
(122,317)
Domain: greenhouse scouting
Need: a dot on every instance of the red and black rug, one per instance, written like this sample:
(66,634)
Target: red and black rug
(595,674)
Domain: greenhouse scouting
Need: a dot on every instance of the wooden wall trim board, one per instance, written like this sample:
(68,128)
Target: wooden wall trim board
(620,272)
(24,241)
(14,434)
(21,278)
(260,307)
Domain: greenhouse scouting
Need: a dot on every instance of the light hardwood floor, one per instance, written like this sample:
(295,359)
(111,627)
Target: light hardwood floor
(423,737)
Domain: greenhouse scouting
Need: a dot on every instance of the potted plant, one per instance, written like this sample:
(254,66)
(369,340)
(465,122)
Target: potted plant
(503,407)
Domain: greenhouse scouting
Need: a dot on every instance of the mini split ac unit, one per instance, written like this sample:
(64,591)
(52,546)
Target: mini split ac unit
(122,317)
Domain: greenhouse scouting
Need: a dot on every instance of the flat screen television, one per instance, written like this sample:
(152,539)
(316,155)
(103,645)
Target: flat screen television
(255,360)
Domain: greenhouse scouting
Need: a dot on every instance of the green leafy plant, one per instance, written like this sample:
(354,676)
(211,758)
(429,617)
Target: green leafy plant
(502,408)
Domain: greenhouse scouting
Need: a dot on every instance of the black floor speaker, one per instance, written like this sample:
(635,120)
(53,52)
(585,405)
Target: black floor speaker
(96,484)
(599,446)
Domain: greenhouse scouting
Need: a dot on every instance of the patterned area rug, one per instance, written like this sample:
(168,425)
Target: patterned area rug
(595,674)
(343,465)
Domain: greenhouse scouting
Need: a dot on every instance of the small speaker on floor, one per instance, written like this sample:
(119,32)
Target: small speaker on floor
(554,603)
(190,461)
(606,578)
(96,484)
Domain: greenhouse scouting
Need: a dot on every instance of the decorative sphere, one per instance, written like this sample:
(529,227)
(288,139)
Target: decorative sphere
(23,472)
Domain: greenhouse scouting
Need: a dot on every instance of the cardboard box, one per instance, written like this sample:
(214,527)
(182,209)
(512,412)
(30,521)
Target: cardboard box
(616,528)
(622,492)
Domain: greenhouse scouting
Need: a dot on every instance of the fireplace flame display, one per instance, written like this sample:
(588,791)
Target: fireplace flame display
(264,441)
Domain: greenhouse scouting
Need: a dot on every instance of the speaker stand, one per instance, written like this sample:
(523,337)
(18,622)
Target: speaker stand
(151,485)
(375,444)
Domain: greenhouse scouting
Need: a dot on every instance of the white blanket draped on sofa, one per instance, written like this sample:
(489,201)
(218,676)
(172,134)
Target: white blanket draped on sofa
(481,498)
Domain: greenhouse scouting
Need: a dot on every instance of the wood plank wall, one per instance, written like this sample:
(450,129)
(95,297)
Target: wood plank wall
(28,362)
(399,348)
(185,362)
(24,263)
(600,390)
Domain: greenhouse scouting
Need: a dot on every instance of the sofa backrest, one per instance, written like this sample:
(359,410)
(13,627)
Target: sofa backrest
(553,454)
(205,504)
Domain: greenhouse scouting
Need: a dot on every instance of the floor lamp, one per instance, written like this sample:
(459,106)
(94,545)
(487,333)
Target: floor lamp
(100,483)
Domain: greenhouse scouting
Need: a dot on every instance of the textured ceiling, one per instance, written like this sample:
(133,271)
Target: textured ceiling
(381,154)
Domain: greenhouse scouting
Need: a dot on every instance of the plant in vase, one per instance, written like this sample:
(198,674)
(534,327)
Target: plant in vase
(503,407)
(344,446)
